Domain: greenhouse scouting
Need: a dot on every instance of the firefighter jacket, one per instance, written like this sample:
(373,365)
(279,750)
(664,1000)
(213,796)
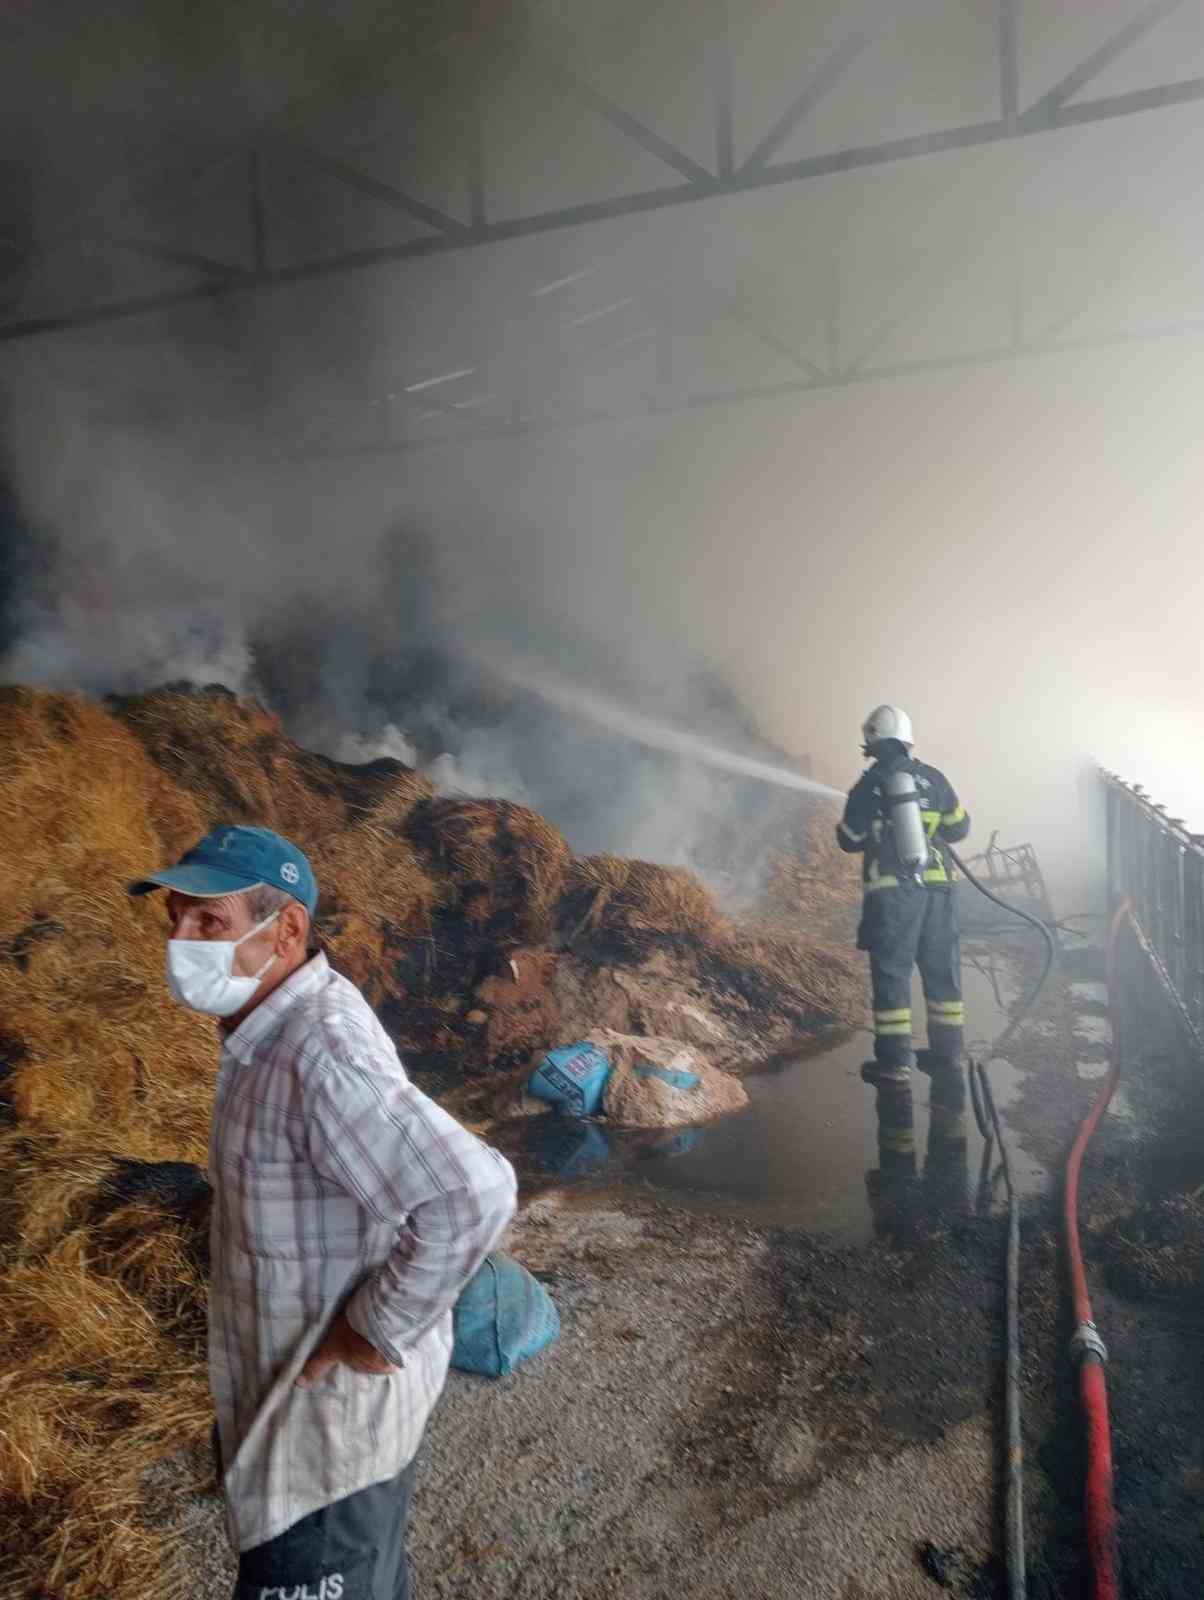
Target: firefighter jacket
(865,824)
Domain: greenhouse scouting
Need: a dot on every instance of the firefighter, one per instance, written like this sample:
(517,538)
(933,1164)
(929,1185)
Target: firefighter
(908,914)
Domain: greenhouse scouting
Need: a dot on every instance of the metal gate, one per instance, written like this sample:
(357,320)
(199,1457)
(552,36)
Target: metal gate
(1154,861)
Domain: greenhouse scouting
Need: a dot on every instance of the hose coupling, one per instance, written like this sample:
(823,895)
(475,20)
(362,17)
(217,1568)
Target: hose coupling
(1085,1341)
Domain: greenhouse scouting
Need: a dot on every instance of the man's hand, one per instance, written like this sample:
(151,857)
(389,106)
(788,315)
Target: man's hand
(343,1344)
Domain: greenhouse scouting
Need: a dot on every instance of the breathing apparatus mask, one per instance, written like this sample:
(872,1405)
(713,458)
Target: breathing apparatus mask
(201,976)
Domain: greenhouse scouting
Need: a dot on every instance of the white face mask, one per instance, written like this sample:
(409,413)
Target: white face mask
(200,973)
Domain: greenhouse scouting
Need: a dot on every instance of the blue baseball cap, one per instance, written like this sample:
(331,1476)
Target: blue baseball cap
(231,860)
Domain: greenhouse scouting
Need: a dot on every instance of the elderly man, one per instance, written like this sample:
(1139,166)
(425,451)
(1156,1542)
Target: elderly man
(349,1211)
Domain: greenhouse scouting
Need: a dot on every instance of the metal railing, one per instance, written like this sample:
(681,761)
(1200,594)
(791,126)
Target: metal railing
(1158,864)
(1015,874)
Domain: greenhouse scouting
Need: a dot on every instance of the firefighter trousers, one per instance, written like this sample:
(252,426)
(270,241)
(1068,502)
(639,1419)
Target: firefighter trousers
(901,928)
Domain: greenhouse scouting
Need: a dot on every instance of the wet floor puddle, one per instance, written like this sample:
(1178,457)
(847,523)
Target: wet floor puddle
(816,1148)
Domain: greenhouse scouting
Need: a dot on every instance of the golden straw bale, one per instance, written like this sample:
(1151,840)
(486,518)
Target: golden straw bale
(31,1434)
(377,874)
(392,799)
(129,1562)
(234,760)
(542,860)
(642,897)
(149,1255)
(375,890)
(43,1192)
(778,969)
(55,1308)
(81,1534)
(93,1389)
(505,865)
(103,1057)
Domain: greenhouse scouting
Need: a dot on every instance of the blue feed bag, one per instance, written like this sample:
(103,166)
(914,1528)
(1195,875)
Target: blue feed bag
(503,1316)
(573,1078)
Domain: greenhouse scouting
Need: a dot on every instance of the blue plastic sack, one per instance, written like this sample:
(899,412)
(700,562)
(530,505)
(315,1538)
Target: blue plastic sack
(503,1316)
(573,1078)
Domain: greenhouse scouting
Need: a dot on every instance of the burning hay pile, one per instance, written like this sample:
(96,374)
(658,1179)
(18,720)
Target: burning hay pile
(812,882)
(771,983)
(634,905)
(506,866)
(436,907)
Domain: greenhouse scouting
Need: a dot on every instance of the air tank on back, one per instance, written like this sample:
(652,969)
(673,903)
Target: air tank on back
(911,841)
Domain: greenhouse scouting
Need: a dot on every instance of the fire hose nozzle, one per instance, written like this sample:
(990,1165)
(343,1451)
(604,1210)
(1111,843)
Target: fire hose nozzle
(1085,1341)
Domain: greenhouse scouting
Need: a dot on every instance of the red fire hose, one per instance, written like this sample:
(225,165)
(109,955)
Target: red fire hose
(1086,1347)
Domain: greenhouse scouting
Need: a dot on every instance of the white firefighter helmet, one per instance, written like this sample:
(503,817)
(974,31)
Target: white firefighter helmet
(887,722)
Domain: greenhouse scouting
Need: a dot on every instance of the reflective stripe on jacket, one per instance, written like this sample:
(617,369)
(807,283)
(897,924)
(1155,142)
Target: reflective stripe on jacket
(865,825)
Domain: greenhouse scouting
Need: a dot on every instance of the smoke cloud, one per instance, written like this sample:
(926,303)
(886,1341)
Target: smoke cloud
(206,492)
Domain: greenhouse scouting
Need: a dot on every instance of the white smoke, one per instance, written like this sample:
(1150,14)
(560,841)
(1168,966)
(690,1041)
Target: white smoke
(482,769)
(482,764)
(389,743)
(128,650)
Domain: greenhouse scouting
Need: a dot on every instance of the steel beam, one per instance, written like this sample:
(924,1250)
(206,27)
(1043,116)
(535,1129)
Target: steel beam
(801,107)
(209,266)
(461,237)
(478,211)
(1007,24)
(631,127)
(997,355)
(387,193)
(721,71)
(259,232)
(773,342)
(1111,49)
(832,326)
(922,297)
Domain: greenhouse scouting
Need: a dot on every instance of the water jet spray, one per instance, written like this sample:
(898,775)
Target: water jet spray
(611,714)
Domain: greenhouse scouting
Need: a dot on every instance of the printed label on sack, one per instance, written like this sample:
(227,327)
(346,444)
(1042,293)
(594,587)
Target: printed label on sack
(558,1079)
(580,1065)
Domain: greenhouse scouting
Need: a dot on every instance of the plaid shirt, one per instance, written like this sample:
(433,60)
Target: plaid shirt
(337,1185)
